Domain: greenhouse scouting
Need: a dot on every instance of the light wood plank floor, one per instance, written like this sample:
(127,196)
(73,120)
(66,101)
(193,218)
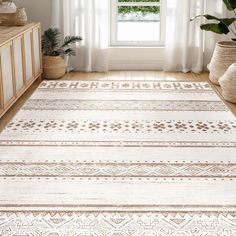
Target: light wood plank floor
(114,75)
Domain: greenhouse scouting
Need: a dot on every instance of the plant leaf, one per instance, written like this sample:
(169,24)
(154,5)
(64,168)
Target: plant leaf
(70,40)
(230,4)
(50,41)
(225,21)
(216,28)
(69,52)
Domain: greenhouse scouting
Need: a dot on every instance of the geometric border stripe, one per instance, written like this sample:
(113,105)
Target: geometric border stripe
(126,223)
(113,170)
(65,143)
(124,105)
(126,85)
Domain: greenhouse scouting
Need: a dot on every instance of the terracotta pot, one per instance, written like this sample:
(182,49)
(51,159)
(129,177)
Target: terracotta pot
(224,56)
(228,84)
(53,67)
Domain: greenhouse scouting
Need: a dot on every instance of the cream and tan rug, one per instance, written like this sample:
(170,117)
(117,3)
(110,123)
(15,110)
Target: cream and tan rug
(117,158)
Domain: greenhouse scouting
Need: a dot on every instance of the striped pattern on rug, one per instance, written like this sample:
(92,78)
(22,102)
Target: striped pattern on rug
(119,158)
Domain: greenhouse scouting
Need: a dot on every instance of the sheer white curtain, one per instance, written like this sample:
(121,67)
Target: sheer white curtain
(187,47)
(89,19)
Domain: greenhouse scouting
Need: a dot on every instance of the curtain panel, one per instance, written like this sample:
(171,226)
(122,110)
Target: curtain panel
(188,48)
(90,20)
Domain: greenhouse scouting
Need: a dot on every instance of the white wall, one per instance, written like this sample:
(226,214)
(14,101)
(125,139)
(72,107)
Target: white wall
(37,11)
(136,58)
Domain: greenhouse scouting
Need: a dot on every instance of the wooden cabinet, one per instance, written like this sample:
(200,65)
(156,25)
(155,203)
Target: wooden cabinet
(20,62)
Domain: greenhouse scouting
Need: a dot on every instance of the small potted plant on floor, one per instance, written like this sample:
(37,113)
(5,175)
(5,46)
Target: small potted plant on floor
(54,51)
(225,51)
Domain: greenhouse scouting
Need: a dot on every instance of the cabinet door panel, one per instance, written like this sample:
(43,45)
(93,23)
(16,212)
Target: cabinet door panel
(7,73)
(37,49)
(1,89)
(28,56)
(18,62)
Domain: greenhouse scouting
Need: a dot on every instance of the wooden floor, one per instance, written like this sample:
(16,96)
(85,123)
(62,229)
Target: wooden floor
(116,75)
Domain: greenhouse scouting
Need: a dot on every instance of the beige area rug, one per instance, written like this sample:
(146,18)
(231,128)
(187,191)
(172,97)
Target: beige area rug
(117,158)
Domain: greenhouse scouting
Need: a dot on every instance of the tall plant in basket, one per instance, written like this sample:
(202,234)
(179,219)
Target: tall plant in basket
(225,51)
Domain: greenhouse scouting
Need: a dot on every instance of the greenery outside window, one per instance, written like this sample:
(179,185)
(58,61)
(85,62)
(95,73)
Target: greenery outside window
(137,22)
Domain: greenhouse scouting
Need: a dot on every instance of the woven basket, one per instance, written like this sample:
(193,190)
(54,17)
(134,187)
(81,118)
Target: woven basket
(19,18)
(224,56)
(53,67)
(228,84)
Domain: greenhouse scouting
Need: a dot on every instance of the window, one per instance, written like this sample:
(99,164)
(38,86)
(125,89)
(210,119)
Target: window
(137,22)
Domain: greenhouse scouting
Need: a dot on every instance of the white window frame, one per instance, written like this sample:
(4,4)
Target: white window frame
(114,25)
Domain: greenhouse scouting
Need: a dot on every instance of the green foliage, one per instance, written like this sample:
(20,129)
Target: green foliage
(66,47)
(139,9)
(230,4)
(143,9)
(216,28)
(51,40)
(221,25)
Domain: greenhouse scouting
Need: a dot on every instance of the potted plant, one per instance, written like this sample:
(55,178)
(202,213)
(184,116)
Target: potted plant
(54,51)
(225,51)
